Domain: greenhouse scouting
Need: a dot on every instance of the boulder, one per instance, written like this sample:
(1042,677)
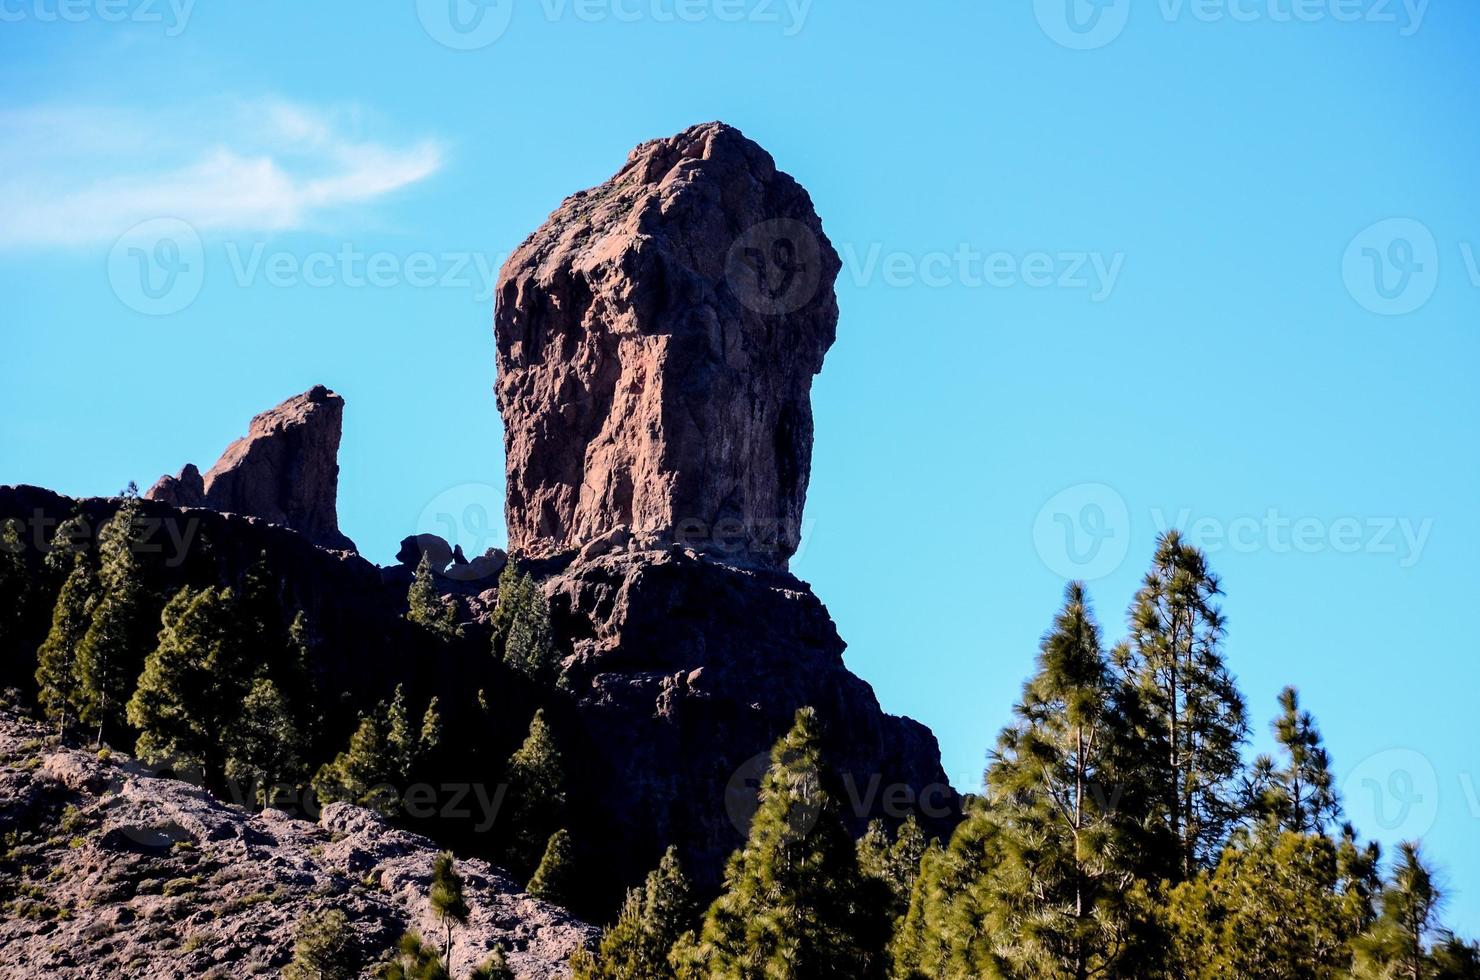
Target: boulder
(656,343)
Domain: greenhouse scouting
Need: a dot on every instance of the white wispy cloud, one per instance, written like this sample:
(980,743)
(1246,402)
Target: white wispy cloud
(77,175)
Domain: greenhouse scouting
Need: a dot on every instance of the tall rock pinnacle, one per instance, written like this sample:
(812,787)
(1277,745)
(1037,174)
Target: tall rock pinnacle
(656,343)
(284,470)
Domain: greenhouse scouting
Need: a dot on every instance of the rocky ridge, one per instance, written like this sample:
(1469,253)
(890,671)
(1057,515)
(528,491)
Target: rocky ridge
(284,470)
(109,870)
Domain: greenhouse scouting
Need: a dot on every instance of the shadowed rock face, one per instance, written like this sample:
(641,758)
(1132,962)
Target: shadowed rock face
(285,470)
(656,343)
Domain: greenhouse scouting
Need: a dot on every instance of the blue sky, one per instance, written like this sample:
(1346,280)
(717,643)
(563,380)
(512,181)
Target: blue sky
(1208,264)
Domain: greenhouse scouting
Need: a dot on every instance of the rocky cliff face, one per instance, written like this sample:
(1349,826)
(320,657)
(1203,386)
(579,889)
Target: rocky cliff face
(110,871)
(284,470)
(686,670)
(656,340)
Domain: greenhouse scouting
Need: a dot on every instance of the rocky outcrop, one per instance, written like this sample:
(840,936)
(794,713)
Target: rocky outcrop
(656,343)
(686,670)
(113,871)
(284,470)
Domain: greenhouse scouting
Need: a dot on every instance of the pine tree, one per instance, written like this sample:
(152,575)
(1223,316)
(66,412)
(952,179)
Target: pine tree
(323,949)
(795,906)
(1057,900)
(495,967)
(1360,870)
(57,676)
(400,741)
(944,931)
(121,633)
(414,960)
(1300,795)
(192,687)
(1395,946)
(530,646)
(18,592)
(1191,712)
(652,919)
(68,543)
(264,744)
(510,596)
(1271,909)
(430,739)
(536,794)
(1454,959)
(382,756)
(426,606)
(361,773)
(447,900)
(554,879)
(896,862)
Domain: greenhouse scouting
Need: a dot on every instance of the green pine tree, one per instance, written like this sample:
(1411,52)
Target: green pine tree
(122,631)
(377,762)
(1191,713)
(413,959)
(652,919)
(193,684)
(426,607)
(510,596)
(18,592)
(1272,908)
(536,779)
(893,861)
(59,682)
(495,967)
(795,906)
(555,878)
(400,740)
(1454,959)
(69,542)
(1396,946)
(448,902)
(1301,794)
(265,750)
(530,646)
(323,948)
(429,742)
(943,930)
(1057,779)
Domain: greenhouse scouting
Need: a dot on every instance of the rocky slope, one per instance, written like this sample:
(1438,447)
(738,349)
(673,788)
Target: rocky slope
(108,870)
(656,342)
(284,470)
